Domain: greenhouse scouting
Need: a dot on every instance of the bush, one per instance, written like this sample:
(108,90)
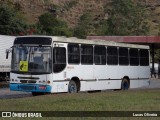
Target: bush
(84,26)
(10,23)
(127,18)
(49,25)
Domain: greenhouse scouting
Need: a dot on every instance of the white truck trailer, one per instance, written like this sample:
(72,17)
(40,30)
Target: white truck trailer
(5,64)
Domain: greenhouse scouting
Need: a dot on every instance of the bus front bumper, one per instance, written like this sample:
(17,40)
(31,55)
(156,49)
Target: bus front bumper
(30,87)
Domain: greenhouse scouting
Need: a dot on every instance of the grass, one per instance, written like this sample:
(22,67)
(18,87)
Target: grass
(132,100)
(102,101)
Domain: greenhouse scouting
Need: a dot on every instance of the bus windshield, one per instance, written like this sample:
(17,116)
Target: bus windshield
(32,59)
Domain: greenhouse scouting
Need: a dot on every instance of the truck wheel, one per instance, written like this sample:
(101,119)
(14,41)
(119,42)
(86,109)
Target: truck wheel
(72,87)
(124,84)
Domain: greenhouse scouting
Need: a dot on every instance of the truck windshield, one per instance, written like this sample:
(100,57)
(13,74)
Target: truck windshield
(31,59)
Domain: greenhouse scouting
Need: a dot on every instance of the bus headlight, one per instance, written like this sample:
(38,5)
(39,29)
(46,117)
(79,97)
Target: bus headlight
(48,82)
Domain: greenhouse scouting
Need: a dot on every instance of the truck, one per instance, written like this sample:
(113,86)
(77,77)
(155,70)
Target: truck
(5,64)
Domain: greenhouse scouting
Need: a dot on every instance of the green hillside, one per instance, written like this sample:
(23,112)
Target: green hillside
(94,15)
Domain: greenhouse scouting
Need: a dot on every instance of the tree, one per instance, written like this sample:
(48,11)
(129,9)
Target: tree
(126,17)
(10,23)
(102,28)
(84,26)
(80,32)
(49,25)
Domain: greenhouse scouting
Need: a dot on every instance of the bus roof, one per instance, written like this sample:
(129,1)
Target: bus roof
(97,42)
(93,41)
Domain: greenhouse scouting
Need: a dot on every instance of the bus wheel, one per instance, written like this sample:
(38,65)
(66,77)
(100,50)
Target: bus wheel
(124,84)
(72,87)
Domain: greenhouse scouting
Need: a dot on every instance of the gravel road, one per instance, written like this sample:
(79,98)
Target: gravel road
(154,83)
(5,93)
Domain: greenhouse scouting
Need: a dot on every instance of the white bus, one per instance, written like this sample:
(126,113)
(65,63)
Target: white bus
(50,64)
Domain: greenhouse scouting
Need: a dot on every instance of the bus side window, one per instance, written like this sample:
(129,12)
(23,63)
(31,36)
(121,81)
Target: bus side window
(99,55)
(123,56)
(87,54)
(73,54)
(144,57)
(112,55)
(134,57)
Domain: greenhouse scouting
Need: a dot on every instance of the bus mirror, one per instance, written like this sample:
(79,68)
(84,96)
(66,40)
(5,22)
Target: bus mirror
(7,53)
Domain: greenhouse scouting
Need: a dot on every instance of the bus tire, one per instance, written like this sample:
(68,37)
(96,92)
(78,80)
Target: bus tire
(72,87)
(125,84)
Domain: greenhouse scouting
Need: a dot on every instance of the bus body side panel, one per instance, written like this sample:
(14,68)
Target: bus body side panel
(113,77)
(138,75)
(61,86)
(83,72)
(107,77)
